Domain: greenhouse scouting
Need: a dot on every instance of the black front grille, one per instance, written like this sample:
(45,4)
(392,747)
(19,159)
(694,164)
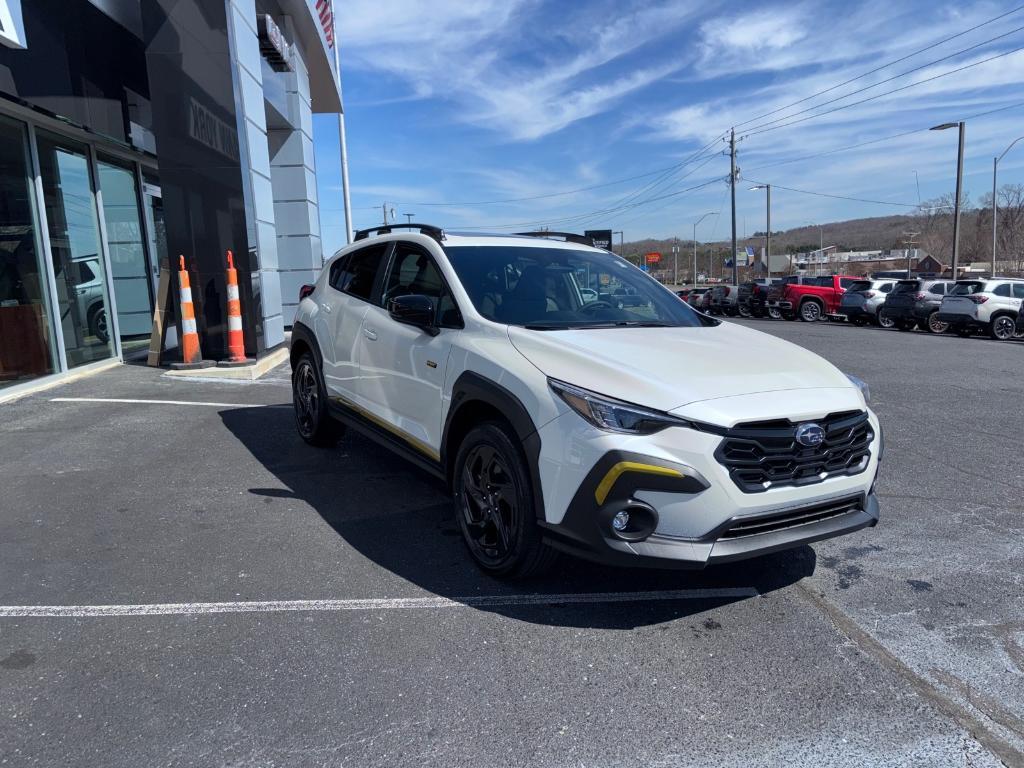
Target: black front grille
(753,526)
(763,455)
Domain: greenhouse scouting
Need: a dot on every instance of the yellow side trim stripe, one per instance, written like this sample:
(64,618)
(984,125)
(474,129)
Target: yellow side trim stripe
(613,474)
(402,435)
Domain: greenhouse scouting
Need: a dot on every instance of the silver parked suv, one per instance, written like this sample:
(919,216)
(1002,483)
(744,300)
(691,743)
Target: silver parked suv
(863,299)
(989,304)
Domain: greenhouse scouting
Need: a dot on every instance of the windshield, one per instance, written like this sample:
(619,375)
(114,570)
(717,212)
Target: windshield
(860,285)
(967,288)
(559,288)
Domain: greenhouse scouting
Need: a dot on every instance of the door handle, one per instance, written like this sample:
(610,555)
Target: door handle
(370,334)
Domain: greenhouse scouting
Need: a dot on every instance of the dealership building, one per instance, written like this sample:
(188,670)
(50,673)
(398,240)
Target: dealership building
(132,131)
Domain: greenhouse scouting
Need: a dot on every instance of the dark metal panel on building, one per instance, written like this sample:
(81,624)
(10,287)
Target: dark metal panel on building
(194,120)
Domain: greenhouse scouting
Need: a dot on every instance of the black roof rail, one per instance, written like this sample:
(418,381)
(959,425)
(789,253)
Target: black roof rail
(385,229)
(569,237)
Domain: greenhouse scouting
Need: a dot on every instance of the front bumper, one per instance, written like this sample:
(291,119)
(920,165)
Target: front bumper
(692,514)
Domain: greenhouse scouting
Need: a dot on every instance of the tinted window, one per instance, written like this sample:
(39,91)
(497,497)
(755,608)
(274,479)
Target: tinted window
(1018,290)
(822,282)
(887,287)
(413,271)
(907,286)
(359,271)
(1003,289)
(543,288)
(794,280)
(844,282)
(967,287)
(938,289)
(860,285)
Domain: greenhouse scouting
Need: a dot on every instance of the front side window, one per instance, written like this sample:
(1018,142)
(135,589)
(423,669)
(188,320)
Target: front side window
(358,273)
(413,271)
(561,288)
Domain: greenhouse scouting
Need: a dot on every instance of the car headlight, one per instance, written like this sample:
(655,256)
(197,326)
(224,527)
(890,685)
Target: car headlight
(862,386)
(613,415)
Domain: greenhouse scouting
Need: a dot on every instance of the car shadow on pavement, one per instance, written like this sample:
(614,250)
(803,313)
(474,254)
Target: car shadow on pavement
(400,518)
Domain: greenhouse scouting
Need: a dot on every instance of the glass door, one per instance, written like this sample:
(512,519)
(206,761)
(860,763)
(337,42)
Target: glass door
(26,347)
(129,264)
(81,284)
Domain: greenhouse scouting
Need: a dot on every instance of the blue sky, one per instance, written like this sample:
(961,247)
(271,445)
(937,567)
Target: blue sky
(469,101)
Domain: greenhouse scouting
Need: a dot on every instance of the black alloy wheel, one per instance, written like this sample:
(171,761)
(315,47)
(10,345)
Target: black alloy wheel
(494,505)
(1002,328)
(312,419)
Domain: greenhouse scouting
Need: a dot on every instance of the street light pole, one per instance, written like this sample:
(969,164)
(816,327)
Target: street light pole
(995,207)
(408,217)
(698,221)
(622,237)
(959,188)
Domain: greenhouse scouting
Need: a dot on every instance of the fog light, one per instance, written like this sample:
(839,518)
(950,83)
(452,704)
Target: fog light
(621,520)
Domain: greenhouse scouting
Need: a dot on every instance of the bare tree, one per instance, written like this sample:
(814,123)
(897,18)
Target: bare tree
(1010,232)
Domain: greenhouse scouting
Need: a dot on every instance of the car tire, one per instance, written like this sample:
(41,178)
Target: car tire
(774,314)
(1002,328)
(495,507)
(97,323)
(884,321)
(811,311)
(744,311)
(934,325)
(313,420)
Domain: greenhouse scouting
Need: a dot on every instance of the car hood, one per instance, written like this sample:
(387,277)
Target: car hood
(667,368)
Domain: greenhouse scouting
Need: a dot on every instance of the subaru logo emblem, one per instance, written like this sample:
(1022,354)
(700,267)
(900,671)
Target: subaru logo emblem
(810,435)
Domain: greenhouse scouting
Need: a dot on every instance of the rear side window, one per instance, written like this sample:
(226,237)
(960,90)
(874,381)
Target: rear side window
(1018,290)
(822,282)
(1003,289)
(358,273)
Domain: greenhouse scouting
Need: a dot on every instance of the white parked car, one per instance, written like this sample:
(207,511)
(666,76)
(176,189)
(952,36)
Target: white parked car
(991,305)
(862,300)
(636,435)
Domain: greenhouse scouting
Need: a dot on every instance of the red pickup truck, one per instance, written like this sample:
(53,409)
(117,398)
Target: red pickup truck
(811,299)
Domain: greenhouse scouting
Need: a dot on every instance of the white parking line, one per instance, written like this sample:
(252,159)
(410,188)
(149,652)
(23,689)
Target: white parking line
(161,402)
(401,603)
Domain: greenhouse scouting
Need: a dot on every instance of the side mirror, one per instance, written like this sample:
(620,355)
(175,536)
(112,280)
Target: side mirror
(416,310)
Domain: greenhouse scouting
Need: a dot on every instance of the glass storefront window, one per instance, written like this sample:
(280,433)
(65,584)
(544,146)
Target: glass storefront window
(75,245)
(25,346)
(129,264)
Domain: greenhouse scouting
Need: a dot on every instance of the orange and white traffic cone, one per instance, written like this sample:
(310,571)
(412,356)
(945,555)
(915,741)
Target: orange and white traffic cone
(191,355)
(236,340)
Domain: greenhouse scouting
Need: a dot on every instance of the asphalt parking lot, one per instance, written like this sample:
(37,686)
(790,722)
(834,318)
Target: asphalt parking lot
(263,603)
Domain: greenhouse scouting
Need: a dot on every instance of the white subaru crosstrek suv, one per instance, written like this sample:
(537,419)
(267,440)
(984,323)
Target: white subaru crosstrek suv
(992,305)
(647,434)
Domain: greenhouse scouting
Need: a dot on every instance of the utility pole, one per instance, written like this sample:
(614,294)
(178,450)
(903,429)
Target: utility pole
(384,208)
(732,187)
(909,242)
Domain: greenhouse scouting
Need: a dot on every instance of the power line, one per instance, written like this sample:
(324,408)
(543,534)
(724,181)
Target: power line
(883,66)
(886,93)
(879,140)
(837,197)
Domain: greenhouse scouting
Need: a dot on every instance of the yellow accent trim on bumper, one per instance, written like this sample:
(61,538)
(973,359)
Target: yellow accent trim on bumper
(605,486)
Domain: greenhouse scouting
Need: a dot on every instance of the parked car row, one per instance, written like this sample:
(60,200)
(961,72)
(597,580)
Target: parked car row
(986,305)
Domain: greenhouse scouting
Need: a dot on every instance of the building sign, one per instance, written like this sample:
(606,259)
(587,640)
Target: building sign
(273,46)
(602,238)
(12,26)
(206,128)
(653,257)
